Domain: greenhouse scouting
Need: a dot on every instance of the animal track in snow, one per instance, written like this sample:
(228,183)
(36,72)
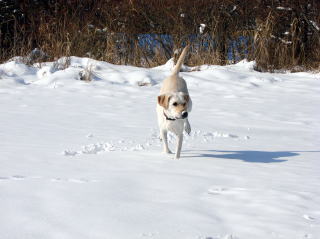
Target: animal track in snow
(90,149)
(18,177)
(73,180)
(15,177)
(119,145)
(308,236)
(59,180)
(216,191)
(227,236)
(80,180)
(208,137)
(205,136)
(224,191)
(153,139)
(309,218)
(3,178)
(147,234)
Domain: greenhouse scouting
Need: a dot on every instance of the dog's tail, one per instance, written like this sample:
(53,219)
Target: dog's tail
(180,61)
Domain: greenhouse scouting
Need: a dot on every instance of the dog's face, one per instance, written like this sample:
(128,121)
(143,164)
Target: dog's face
(175,105)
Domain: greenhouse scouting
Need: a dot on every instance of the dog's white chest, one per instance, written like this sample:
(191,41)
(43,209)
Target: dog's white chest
(175,126)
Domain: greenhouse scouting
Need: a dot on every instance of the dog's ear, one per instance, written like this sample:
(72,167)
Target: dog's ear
(163,100)
(186,98)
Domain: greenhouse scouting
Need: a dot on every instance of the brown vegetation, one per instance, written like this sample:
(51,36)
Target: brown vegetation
(277,34)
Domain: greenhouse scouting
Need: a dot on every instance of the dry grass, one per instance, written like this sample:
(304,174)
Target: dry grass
(111,30)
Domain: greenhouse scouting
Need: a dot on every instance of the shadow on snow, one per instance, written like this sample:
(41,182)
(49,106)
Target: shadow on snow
(247,156)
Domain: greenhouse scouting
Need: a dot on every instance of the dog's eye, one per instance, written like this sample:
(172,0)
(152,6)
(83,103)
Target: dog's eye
(175,104)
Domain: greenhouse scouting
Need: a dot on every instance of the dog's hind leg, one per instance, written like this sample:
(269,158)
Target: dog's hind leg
(187,127)
(164,138)
(179,145)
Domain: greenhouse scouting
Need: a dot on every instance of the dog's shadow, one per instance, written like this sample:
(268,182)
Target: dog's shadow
(247,156)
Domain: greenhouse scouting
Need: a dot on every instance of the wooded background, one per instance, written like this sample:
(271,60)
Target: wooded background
(277,34)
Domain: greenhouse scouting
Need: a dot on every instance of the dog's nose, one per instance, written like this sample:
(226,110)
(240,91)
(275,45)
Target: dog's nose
(184,115)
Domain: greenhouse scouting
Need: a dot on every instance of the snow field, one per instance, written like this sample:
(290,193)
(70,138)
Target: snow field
(83,159)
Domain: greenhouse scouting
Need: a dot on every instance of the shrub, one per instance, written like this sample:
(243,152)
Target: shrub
(276,34)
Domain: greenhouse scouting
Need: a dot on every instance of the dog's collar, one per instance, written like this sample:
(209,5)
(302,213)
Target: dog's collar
(167,118)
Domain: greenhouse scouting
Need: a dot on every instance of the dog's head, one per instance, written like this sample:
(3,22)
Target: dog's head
(175,105)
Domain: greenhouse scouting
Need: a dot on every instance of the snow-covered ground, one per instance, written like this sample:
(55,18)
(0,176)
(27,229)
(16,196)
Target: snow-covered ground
(82,160)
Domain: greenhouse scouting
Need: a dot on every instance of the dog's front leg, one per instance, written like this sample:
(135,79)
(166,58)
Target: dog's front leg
(179,145)
(164,138)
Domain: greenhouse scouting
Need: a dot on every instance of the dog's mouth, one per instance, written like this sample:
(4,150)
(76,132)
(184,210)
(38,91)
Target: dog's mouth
(169,118)
(180,118)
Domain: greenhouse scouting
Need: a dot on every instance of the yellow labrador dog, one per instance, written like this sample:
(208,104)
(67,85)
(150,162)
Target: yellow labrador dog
(174,104)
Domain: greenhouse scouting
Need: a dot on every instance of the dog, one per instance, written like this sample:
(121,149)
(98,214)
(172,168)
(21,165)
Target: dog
(173,107)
